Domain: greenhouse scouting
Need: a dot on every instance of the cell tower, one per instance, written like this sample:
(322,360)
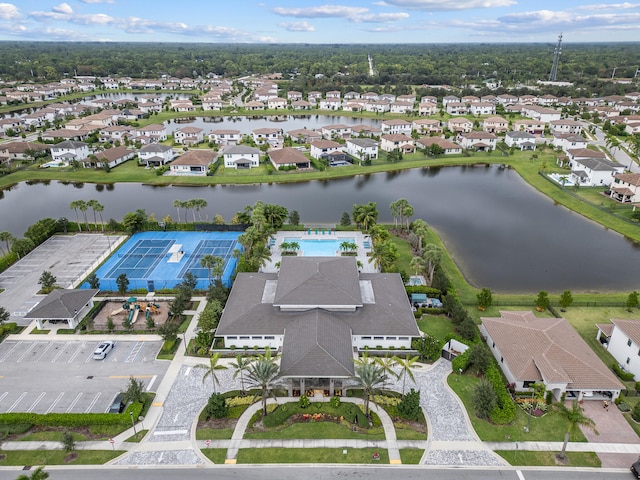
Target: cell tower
(556,59)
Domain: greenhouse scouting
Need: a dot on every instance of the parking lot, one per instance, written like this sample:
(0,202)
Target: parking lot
(54,375)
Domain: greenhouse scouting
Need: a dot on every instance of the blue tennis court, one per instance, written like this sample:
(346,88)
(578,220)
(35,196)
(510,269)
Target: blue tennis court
(157,260)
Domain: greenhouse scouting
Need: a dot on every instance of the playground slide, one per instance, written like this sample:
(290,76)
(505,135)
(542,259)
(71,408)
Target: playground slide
(135,316)
(131,312)
(147,314)
(118,311)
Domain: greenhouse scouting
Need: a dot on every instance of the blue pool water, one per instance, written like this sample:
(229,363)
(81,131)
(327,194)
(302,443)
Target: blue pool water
(320,247)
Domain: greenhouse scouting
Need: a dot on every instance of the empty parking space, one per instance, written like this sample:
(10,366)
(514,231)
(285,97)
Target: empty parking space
(46,375)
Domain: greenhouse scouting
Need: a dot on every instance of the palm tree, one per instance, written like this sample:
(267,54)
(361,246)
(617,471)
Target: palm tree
(240,366)
(574,417)
(75,205)
(417,264)
(387,363)
(348,246)
(260,255)
(401,204)
(261,373)
(199,203)
(211,370)
(7,238)
(237,253)
(420,228)
(208,261)
(98,207)
(178,204)
(395,212)
(92,205)
(370,377)
(406,369)
(83,207)
(408,212)
(432,255)
(38,474)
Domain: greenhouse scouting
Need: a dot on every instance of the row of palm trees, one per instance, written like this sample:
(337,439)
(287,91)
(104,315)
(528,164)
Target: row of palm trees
(83,206)
(194,204)
(400,209)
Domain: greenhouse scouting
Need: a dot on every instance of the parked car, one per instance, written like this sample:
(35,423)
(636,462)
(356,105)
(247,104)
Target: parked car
(635,469)
(103,349)
(117,406)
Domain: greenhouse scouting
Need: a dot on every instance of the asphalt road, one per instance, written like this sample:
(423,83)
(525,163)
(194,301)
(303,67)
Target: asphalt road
(68,379)
(295,472)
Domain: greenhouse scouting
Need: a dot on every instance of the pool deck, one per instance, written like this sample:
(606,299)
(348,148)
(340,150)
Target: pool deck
(359,237)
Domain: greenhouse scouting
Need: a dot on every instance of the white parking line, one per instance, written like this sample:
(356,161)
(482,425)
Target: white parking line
(55,402)
(137,348)
(22,357)
(520,475)
(57,355)
(153,379)
(78,352)
(33,405)
(17,402)
(73,404)
(6,355)
(93,402)
(3,395)
(44,352)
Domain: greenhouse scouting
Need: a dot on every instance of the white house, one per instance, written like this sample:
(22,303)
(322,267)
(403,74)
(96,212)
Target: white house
(565,125)
(396,126)
(460,125)
(323,147)
(592,168)
(448,147)
(427,108)
(155,155)
(495,125)
(241,157)
(225,137)
(625,187)
(520,140)
(569,141)
(622,339)
(330,104)
(401,107)
(543,114)
(480,141)
(276,103)
(397,141)
(482,108)
(153,132)
(337,130)
(211,102)
(111,157)
(457,108)
(68,151)
(188,136)
(426,126)
(272,136)
(362,148)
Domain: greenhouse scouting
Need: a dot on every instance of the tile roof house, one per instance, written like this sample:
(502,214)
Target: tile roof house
(396,126)
(318,148)
(317,310)
(480,141)
(225,137)
(155,155)
(188,136)
(63,305)
(625,188)
(622,339)
(241,156)
(530,349)
(193,162)
(362,148)
(68,151)
(397,141)
(110,157)
(448,147)
(288,157)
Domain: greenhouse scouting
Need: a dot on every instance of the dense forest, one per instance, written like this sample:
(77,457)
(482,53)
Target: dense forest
(309,66)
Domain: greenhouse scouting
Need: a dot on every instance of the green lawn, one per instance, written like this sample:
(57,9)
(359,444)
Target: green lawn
(411,456)
(216,455)
(318,430)
(312,455)
(438,326)
(548,428)
(214,433)
(408,433)
(548,459)
(56,457)
(51,436)
(404,253)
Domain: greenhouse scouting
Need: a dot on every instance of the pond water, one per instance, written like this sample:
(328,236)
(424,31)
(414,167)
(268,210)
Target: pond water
(503,234)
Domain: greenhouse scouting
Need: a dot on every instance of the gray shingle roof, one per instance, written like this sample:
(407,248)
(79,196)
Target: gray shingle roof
(62,304)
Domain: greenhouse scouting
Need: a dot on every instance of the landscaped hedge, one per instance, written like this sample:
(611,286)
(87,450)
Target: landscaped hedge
(505,410)
(624,376)
(6,329)
(71,419)
(430,291)
(461,362)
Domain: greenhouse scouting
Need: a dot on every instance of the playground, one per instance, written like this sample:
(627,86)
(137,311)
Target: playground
(158,260)
(136,310)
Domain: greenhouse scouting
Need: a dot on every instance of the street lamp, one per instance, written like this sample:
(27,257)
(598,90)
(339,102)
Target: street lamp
(133,423)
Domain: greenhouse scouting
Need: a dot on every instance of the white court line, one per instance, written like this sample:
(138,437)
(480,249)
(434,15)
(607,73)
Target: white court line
(55,402)
(33,405)
(73,404)
(153,379)
(44,352)
(9,352)
(17,402)
(93,402)
(57,355)
(75,355)
(26,352)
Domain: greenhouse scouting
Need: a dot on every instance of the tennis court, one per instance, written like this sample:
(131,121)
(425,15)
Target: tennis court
(157,260)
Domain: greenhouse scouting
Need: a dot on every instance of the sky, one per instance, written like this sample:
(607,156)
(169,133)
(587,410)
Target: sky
(322,21)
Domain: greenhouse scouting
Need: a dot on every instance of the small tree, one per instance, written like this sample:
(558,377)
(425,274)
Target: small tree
(484,399)
(345,220)
(47,280)
(4,315)
(93,281)
(542,301)
(123,283)
(68,442)
(134,392)
(217,406)
(150,323)
(485,299)
(111,326)
(294,217)
(480,357)
(168,331)
(409,406)
(632,301)
(566,299)
(38,474)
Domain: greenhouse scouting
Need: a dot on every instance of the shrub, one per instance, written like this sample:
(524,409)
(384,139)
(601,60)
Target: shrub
(484,399)
(68,443)
(505,409)
(216,406)
(334,402)
(303,402)
(624,407)
(624,376)
(409,406)
(635,413)
(461,362)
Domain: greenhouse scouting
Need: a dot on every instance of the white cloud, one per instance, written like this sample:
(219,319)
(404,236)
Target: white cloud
(380,17)
(297,26)
(93,19)
(611,6)
(380,4)
(63,8)
(96,1)
(9,11)
(450,4)
(324,11)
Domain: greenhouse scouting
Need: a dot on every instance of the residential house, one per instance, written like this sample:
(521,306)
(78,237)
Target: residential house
(632,128)
(211,102)
(294,96)
(547,100)
(322,147)
(450,99)
(271,136)
(426,126)
(469,99)
(225,137)
(300,105)
(389,97)
(401,107)
(543,114)
(353,106)
(448,147)
(317,311)
(396,126)
(621,338)
(333,94)
(460,125)
(625,189)
(362,148)
(351,95)
(457,108)
(338,130)
(397,141)
(276,103)
(482,108)
(364,130)
(532,126)
(330,104)
(254,105)
(495,125)
(304,135)
(314,96)
(569,141)
(507,99)
(592,168)
(530,350)
(193,162)
(117,133)
(155,155)
(153,133)
(188,136)
(370,97)
(241,157)
(479,141)
(427,108)
(288,157)
(565,125)
(15,124)
(19,150)
(68,151)
(406,99)
(108,158)
(520,140)
(182,105)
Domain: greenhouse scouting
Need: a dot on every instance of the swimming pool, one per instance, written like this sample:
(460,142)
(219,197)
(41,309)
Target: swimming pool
(320,247)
